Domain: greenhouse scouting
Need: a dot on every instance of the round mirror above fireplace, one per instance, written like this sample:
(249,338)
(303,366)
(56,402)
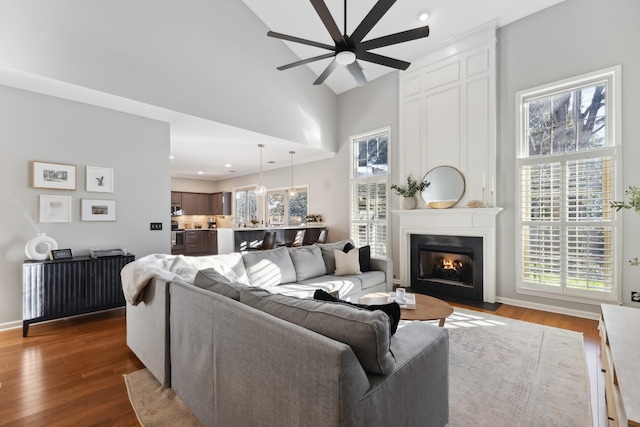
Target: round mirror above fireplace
(446,187)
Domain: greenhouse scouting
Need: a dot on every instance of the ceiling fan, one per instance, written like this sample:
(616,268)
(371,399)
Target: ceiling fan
(348,49)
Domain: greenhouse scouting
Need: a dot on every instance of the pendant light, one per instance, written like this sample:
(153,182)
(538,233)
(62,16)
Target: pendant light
(261,190)
(292,190)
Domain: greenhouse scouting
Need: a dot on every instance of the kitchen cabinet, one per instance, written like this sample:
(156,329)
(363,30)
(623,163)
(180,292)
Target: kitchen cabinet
(221,203)
(213,242)
(202,204)
(176,198)
(195,204)
(196,242)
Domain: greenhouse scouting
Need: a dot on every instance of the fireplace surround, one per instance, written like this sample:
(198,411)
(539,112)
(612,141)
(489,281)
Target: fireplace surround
(478,222)
(447,265)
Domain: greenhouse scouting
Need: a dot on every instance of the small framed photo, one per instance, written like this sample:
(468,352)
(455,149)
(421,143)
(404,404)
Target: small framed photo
(53,175)
(98,210)
(99,179)
(55,208)
(61,254)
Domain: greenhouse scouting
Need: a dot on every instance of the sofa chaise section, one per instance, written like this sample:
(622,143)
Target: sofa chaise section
(235,365)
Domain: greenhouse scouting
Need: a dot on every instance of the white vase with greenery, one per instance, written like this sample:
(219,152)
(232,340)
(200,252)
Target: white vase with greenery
(409,191)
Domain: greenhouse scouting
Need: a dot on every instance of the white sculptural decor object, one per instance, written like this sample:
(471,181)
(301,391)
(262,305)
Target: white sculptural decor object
(40,247)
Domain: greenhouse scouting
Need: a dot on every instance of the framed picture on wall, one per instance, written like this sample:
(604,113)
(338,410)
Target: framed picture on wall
(97,210)
(55,208)
(99,179)
(53,175)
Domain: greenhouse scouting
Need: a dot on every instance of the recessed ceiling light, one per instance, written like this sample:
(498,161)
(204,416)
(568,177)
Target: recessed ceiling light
(424,15)
(227,165)
(171,157)
(200,173)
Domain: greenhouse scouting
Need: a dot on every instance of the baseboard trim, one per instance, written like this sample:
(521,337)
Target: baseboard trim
(549,308)
(10,325)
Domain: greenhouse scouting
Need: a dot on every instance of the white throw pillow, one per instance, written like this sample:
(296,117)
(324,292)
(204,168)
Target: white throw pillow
(347,263)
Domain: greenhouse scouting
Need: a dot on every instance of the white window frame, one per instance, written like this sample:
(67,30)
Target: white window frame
(298,188)
(235,205)
(611,77)
(355,180)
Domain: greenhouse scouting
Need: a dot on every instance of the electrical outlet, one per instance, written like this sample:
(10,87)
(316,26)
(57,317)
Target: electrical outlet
(635,296)
(155,226)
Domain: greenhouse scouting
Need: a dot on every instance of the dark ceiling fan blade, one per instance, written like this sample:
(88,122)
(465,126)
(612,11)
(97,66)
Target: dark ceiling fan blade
(328,21)
(404,36)
(383,60)
(306,61)
(299,40)
(326,73)
(372,18)
(356,72)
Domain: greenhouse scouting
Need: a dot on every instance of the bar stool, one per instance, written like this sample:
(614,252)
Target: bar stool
(268,242)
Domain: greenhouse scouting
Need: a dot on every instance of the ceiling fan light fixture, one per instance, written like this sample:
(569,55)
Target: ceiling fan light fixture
(424,15)
(345,57)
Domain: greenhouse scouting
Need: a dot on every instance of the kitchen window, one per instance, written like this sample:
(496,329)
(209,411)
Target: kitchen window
(567,174)
(369,202)
(246,204)
(288,210)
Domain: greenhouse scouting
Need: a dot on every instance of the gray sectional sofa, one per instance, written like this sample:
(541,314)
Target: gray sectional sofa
(243,355)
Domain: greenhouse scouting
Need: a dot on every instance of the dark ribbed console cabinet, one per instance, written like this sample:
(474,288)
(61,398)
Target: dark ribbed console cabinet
(63,288)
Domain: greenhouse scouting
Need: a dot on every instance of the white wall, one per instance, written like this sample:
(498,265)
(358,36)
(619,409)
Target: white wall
(210,59)
(42,128)
(571,38)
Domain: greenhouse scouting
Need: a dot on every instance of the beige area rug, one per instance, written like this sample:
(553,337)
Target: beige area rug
(154,405)
(502,372)
(505,372)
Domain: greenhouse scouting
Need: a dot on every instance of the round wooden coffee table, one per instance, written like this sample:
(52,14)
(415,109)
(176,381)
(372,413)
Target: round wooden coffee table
(427,308)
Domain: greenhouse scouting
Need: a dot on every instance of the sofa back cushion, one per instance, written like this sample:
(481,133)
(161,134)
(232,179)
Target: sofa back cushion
(269,268)
(328,255)
(366,332)
(213,281)
(308,262)
(229,265)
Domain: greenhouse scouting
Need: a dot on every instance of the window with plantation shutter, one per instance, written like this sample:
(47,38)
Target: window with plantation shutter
(369,208)
(566,161)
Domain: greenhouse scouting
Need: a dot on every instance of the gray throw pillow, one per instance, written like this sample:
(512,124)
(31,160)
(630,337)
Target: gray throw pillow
(308,262)
(213,281)
(366,332)
(269,268)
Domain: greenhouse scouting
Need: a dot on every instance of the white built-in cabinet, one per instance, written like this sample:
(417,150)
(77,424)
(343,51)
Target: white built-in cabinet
(448,112)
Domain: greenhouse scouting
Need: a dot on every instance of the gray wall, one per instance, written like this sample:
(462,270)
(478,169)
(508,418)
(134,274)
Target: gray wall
(571,38)
(360,110)
(210,59)
(42,128)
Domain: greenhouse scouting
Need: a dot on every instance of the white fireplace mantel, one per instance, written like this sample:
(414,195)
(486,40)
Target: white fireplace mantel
(479,222)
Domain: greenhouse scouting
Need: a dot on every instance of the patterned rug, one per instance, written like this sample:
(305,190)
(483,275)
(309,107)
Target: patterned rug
(502,372)
(505,372)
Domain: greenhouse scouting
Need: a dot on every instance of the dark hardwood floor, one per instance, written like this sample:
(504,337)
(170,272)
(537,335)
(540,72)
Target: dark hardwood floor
(69,372)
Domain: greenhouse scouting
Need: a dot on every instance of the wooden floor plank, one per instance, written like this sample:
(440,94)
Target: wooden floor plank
(70,372)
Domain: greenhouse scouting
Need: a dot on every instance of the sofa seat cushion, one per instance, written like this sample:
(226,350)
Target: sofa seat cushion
(345,285)
(213,281)
(366,332)
(307,261)
(269,268)
(300,290)
(370,278)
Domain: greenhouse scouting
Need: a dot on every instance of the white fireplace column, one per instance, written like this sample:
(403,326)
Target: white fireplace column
(480,222)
